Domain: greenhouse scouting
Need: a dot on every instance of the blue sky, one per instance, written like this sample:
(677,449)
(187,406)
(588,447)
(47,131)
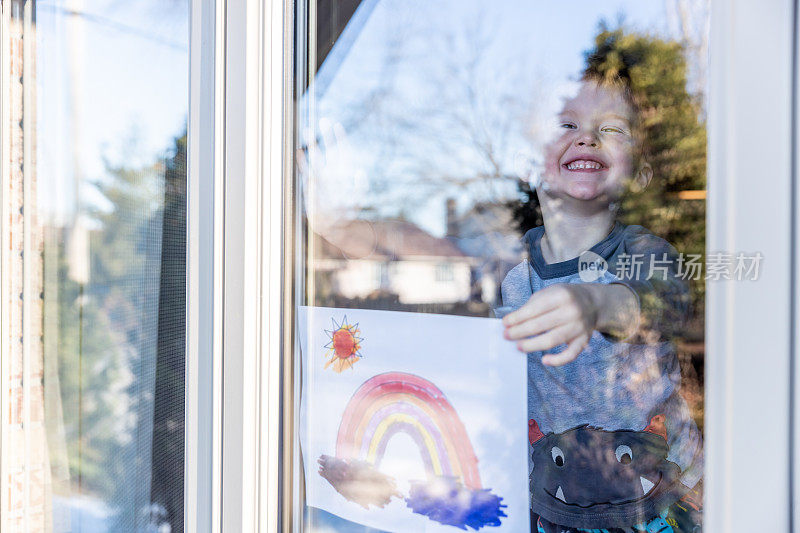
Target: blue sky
(132,88)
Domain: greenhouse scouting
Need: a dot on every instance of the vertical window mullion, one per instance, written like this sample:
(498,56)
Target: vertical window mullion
(204,268)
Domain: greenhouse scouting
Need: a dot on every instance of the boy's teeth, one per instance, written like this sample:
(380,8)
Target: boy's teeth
(579,165)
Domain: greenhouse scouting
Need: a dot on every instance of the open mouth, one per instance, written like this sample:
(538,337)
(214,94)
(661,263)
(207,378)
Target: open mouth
(584,165)
(647,486)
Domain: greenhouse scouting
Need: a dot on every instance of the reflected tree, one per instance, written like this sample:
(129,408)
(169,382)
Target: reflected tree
(170,380)
(122,345)
(125,258)
(675,145)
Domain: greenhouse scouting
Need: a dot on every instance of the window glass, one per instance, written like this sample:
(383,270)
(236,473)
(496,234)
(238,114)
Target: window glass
(98,366)
(528,160)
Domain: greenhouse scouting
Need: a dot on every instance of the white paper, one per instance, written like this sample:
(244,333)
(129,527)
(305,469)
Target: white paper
(428,401)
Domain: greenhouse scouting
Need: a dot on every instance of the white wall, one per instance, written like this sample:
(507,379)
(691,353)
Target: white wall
(413,280)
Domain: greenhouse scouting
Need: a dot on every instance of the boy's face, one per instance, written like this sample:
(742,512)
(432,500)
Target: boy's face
(591,155)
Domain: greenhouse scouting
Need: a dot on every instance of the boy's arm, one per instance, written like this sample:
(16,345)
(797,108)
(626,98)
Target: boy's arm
(648,305)
(650,269)
(568,313)
(617,309)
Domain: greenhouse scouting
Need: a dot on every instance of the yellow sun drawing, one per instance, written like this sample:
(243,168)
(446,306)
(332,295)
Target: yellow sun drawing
(344,346)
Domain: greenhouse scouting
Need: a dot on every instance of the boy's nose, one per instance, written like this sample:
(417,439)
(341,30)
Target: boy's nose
(587,140)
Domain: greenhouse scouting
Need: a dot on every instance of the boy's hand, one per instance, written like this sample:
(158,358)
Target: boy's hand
(569,313)
(562,313)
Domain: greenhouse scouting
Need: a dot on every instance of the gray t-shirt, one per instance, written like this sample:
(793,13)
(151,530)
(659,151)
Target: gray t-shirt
(602,420)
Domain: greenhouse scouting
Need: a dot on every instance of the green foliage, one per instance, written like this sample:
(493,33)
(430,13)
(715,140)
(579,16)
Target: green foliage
(674,138)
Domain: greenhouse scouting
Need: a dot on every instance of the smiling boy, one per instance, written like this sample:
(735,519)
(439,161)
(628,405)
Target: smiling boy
(613,444)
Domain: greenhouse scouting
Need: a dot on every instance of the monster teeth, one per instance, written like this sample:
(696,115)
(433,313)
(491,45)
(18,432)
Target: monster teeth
(647,485)
(560,494)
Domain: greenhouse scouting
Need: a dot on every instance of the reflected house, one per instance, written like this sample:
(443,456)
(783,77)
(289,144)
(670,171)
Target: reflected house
(487,232)
(361,259)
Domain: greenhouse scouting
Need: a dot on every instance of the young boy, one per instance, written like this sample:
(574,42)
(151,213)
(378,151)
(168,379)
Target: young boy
(612,442)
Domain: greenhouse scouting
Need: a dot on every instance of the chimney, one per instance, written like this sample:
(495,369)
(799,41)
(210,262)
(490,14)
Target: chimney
(450,218)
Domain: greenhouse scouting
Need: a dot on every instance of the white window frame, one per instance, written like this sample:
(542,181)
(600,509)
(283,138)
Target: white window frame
(235,267)
(240,455)
(202,487)
(749,323)
(794,343)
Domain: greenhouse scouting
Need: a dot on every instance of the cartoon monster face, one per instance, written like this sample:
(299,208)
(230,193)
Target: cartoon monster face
(590,471)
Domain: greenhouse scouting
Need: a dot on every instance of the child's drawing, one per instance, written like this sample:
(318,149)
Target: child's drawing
(397,402)
(427,433)
(344,345)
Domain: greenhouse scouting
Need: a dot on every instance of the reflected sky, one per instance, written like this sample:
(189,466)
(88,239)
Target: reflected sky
(417,99)
(112,84)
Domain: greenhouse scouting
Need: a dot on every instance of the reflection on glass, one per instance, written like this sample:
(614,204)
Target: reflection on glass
(103,287)
(432,137)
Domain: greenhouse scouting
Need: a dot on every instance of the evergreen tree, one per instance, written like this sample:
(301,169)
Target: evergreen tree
(674,139)
(121,348)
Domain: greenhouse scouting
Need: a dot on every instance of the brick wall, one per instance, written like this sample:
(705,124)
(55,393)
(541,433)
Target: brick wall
(24,465)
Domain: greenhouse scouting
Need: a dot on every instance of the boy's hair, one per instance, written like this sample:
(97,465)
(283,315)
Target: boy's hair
(616,81)
(622,84)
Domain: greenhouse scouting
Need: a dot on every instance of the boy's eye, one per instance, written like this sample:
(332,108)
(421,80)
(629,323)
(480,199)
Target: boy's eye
(611,129)
(568,125)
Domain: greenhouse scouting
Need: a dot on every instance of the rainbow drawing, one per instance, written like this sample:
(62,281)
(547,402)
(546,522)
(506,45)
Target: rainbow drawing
(397,402)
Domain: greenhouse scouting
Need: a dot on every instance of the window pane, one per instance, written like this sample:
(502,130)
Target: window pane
(101,200)
(462,158)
